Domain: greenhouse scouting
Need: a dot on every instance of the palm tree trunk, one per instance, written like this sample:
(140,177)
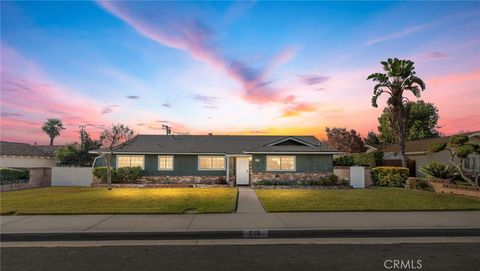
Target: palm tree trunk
(51,141)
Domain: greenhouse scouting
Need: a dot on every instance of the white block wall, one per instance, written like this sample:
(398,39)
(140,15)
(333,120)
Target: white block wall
(72,176)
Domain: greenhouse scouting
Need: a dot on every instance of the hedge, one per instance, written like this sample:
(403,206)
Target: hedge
(119,175)
(389,176)
(371,159)
(327,180)
(10,175)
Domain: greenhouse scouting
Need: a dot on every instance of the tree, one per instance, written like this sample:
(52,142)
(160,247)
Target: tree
(423,120)
(372,138)
(75,154)
(111,138)
(421,124)
(68,155)
(459,148)
(52,128)
(399,77)
(86,145)
(344,140)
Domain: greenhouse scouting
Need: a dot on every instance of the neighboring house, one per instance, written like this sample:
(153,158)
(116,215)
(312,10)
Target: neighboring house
(238,159)
(417,150)
(23,155)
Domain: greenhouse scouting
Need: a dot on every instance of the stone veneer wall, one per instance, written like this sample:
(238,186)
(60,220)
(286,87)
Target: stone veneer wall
(39,177)
(183,180)
(286,176)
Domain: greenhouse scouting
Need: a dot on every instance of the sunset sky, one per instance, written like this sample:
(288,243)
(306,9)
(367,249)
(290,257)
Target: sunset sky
(228,67)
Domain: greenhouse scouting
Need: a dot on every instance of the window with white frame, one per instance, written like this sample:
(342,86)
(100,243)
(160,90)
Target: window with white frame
(130,161)
(211,163)
(165,162)
(470,163)
(280,163)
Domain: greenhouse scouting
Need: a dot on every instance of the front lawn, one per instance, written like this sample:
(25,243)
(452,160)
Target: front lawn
(76,200)
(371,199)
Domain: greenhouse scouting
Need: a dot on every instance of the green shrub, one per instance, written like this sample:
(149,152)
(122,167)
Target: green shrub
(418,184)
(371,159)
(119,175)
(438,170)
(389,176)
(330,179)
(10,175)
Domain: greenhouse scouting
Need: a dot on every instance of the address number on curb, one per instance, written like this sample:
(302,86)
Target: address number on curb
(255,233)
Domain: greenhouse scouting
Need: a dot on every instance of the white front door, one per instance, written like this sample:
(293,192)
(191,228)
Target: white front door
(243,171)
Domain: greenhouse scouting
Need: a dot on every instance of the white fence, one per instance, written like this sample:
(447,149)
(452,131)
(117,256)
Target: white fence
(72,176)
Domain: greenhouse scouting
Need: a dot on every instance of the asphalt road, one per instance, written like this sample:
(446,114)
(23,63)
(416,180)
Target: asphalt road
(450,256)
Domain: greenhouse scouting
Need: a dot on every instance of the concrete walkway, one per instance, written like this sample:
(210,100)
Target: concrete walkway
(248,202)
(239,221)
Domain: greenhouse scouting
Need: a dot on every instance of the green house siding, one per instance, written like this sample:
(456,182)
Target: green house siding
(183,165)
(305,163)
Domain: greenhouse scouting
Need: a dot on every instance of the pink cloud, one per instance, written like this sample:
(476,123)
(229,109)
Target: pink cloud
(34,97)
(191,35)
(298,108)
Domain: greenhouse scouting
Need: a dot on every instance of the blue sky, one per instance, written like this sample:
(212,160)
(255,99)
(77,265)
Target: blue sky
(229,67)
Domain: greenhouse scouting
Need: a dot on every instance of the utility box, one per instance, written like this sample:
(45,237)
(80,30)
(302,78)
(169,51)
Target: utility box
(357,177)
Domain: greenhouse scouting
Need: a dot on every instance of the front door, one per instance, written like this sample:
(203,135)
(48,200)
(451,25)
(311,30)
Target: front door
(243,171)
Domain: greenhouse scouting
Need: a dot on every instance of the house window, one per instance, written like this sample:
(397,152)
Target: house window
(211,163)
(469,163)
(165,162)
(280,163)
(130,161)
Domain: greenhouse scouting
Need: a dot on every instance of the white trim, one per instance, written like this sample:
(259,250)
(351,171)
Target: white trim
(280,156)
(116,160)
(211,169)
(290,138)
(165,169)
(293,153)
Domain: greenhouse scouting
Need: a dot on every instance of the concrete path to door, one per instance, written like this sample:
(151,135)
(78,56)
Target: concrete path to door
(248,202)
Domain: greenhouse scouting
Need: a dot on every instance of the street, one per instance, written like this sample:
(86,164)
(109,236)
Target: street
(416,256)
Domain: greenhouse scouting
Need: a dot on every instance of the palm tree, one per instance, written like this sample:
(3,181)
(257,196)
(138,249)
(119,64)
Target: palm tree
(52,128)
(399,77)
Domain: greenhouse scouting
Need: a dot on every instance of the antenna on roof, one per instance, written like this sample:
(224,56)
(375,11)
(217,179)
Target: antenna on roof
(167,128)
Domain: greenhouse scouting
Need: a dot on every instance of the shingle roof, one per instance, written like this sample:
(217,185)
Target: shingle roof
(24,149)
(217,144)
(419,145)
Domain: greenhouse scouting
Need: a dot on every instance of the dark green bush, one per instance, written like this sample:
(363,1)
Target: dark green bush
(438,170)
(10,175)
(389,176)
(418,184)
(119,175)
(371,159)
(330,179)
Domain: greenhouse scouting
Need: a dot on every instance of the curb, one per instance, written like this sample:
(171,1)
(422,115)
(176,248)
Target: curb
(239,234)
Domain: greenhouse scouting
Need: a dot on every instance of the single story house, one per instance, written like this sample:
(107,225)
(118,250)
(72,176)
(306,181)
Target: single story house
(23,155)
(417,151)
(240,160)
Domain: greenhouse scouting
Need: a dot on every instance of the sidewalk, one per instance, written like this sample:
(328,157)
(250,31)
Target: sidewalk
(248,202)
(239,221)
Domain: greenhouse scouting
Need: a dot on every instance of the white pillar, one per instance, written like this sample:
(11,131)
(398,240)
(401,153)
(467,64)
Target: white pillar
(228,168)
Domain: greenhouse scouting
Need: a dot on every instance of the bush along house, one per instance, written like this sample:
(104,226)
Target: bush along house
(214,159)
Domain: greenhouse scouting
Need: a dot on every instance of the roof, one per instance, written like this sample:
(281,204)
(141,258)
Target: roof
(24,149)
(221,144)
(413,146)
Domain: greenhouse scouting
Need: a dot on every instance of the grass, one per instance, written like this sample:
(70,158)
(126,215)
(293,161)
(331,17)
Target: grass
(75,200)
(372,199)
